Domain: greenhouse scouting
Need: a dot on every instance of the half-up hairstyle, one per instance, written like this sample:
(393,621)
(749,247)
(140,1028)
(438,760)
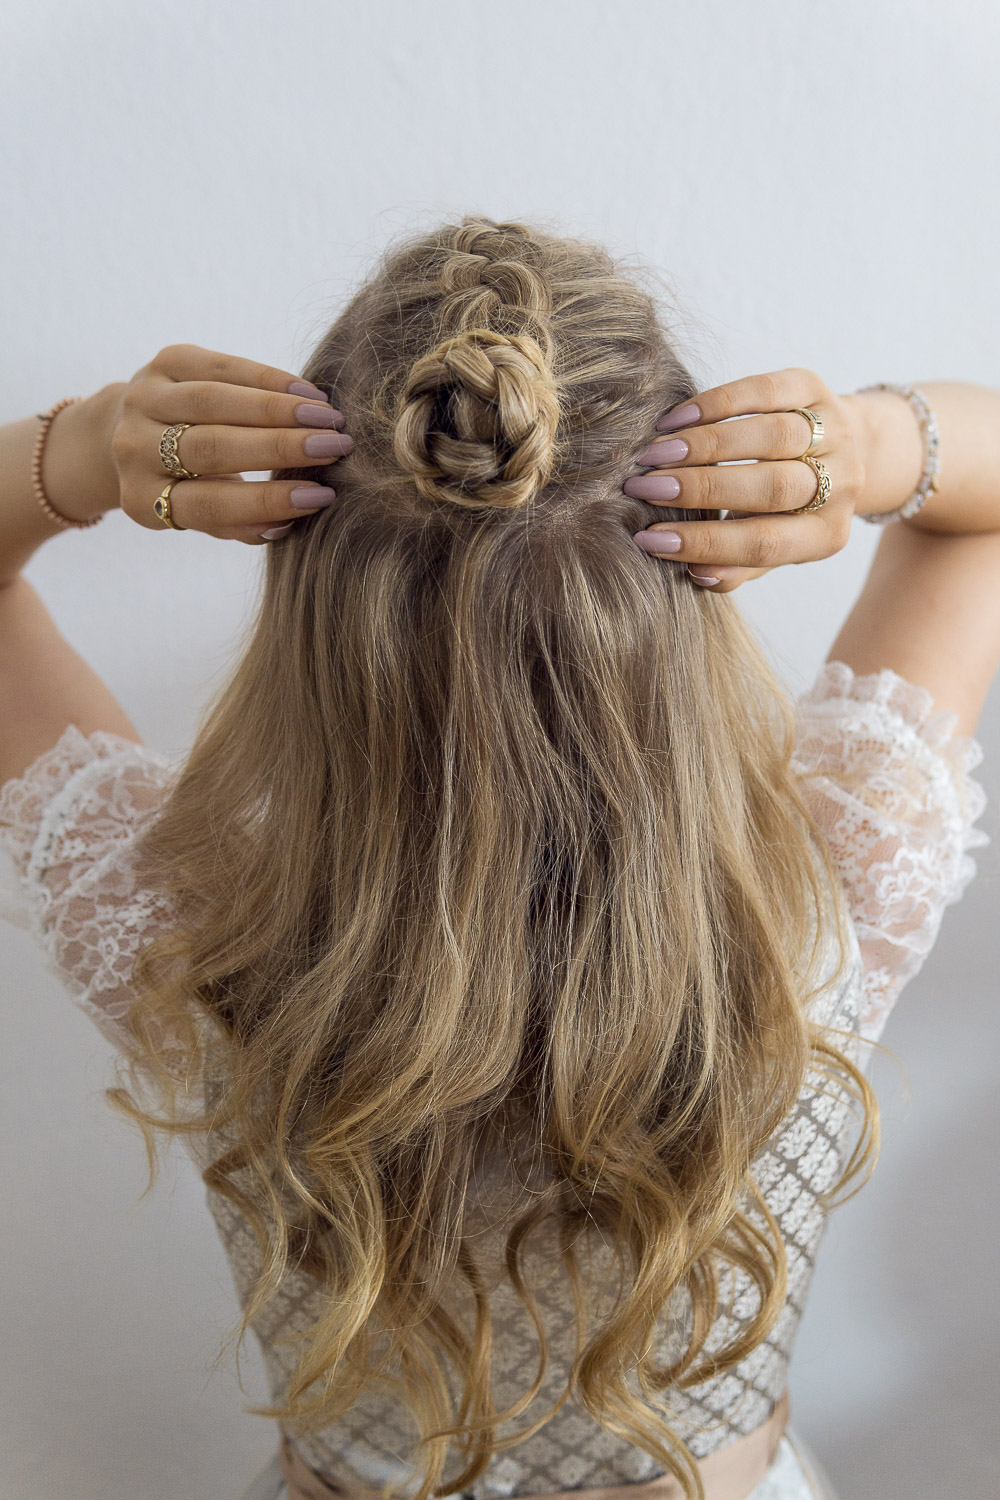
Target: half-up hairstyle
(491,844)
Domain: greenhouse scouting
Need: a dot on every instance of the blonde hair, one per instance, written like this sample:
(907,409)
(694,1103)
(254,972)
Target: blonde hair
(491,837)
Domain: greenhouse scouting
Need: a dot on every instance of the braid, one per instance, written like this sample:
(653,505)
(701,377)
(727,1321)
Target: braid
(478,416)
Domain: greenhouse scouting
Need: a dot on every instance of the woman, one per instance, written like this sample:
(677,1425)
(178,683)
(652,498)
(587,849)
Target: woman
(506,948)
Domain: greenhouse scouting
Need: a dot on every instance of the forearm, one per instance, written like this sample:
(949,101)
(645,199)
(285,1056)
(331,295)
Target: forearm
(78,476)
(968,497)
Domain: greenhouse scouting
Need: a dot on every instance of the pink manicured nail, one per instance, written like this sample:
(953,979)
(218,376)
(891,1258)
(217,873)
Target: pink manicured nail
(328,444)
(652,487)
(269,536)
(306,496)
(671,451)
(304,388)
(657,541)
(316,416)
(655,457)
(706,582)
(684,416)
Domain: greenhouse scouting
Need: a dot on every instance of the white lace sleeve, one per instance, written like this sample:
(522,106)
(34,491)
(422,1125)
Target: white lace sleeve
(68,825)
(888,781)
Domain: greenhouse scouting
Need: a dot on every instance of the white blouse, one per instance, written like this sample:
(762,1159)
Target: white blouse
(888,782)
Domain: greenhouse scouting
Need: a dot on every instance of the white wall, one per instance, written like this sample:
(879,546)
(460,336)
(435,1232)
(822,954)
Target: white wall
(819,185)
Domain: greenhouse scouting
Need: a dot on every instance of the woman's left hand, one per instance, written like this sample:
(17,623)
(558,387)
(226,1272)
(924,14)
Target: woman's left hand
(244,416)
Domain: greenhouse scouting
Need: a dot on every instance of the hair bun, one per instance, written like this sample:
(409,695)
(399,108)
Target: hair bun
(477,420)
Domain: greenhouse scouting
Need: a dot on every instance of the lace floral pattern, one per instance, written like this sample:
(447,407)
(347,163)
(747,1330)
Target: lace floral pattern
(888,781)
(68,825)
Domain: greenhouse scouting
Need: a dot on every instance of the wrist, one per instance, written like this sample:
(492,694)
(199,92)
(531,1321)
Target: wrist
(891,448)
(78,471)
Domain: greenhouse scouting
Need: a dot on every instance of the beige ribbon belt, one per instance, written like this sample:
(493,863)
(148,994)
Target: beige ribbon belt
(731,1473)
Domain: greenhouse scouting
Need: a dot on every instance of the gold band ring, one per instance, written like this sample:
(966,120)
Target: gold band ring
(816,423)
(822,494)
(168,453)
(161,506)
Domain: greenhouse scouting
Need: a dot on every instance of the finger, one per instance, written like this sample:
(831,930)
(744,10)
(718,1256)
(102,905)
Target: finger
(205,401)
(776,390)
(756,487)
(191,362)
(757,542)
(210,449)
(232,508)
(777,435)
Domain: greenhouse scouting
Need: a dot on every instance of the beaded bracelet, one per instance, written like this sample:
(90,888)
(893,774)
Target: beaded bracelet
(932,461)
(47,419)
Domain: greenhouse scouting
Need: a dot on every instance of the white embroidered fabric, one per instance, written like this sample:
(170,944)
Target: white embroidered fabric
(888,781)
(68,824)
(889,784)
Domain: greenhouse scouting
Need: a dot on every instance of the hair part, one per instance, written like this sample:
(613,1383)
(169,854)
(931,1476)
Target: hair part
(491,844)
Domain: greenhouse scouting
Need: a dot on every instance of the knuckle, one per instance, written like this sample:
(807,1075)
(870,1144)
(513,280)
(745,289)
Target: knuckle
(770,391)
(786,489)
(121,443)
(766,546)
(212,507)
(271,502)
(200,400)
(205,451)
(840,530)
(276,411)
(786,432)
(709,446)
(261,376)
(708,489)
(171,355)
(215,365)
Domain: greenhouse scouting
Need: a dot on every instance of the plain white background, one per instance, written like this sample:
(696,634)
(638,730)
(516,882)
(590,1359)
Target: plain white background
(818,185)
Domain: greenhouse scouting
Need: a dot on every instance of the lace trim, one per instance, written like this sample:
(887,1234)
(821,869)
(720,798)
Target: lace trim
(906,700)
(888,781)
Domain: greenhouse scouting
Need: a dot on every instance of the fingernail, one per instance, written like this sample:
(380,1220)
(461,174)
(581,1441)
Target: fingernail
(707,582)
(328,444)
(655,455)
(671,451)
(652,487)
(304,388)
(305,496)
(684,416)
(657,541)
(316,416)
(269,536)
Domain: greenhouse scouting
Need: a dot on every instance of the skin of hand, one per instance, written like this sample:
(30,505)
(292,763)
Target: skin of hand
(245,416)
(692,468)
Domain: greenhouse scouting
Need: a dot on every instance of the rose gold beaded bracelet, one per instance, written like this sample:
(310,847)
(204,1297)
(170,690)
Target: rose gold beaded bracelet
(47,419)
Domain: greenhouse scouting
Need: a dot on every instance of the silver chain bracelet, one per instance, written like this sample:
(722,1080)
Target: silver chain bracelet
(932,461)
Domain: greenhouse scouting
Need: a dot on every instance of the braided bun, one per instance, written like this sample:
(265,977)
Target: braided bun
(477,420)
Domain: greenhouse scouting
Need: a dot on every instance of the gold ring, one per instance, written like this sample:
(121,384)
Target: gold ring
(816,423)
(161,505)
(168,453)
(822,494)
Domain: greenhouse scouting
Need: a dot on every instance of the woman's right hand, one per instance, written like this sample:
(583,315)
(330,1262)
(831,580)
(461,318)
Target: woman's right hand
(761,532)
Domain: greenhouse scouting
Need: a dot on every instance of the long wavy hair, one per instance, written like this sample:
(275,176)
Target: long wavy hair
(490,842)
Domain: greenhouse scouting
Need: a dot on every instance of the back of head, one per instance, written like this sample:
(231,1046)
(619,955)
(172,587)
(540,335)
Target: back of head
(492,838)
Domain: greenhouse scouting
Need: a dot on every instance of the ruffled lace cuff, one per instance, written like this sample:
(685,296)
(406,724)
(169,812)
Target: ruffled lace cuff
(889,782)
(68,825)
